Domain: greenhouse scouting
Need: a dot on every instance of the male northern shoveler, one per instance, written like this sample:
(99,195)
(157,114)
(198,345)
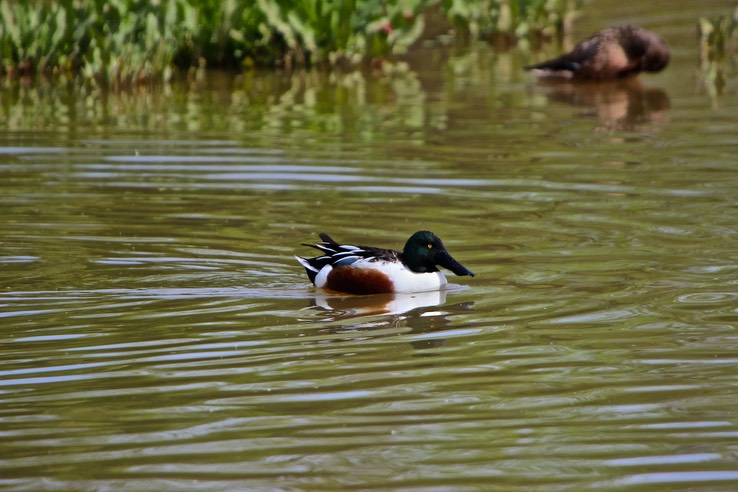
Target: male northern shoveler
(369,270)
(612,53)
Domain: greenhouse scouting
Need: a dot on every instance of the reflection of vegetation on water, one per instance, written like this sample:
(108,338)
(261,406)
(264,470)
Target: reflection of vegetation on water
(718,51)
(305,101)
(130,41)
(408,103)
(401,104)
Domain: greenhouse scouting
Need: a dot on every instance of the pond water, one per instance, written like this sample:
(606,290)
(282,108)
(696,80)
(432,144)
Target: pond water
(156,332)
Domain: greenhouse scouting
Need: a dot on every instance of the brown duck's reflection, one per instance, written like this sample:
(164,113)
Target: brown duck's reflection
(417,311)
(623,105)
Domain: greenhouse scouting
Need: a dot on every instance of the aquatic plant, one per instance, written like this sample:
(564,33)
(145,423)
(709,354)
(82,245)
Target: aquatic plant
(109,41)
(718,50)
(130,41)
(510,21)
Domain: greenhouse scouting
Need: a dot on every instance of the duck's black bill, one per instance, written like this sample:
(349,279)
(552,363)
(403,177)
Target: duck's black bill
(447,261)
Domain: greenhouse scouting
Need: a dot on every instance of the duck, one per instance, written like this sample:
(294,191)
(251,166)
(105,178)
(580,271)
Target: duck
(613,53)
(364,270)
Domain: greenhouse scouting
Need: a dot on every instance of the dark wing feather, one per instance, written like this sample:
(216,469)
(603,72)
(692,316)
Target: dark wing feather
(583,52)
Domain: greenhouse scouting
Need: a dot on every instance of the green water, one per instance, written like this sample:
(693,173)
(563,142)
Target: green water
(156,332)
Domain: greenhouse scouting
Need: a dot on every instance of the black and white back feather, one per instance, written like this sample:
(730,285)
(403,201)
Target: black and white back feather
(336,255)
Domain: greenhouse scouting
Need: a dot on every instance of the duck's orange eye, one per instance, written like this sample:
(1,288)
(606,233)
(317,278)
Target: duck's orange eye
(430,246)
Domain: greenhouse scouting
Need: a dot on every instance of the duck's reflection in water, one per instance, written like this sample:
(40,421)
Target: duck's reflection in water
(344,307)
(412,313)
(619,105)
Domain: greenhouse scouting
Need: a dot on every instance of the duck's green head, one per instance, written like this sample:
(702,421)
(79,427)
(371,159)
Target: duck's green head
(424,251)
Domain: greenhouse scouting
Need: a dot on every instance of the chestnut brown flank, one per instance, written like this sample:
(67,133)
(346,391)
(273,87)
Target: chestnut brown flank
(359,281)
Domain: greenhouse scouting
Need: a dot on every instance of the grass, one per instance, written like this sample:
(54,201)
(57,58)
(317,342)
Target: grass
(116,42)
(718,51)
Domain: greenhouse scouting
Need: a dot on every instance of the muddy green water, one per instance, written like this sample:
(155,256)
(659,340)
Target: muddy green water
(157,334)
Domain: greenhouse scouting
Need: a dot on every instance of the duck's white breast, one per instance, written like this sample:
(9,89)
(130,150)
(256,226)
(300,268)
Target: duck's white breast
(405,280)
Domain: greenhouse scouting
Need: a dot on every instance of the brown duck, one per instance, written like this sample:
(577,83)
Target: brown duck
(612,53)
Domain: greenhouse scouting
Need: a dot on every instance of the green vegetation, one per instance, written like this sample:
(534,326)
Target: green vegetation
(117,42)
(718,50)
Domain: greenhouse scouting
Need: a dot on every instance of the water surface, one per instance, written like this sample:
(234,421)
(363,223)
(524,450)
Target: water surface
(158,334)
